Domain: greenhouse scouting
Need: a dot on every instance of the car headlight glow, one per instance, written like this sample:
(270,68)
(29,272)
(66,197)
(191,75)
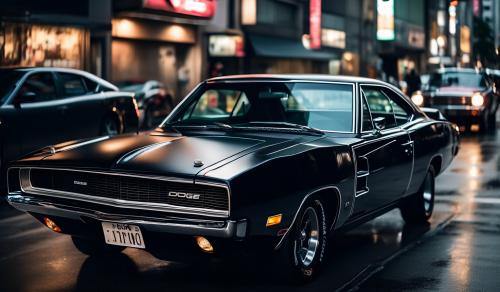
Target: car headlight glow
(477,99)
(417,98)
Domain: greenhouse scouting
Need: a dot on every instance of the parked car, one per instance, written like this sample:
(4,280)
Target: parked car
(153,98)
(44,106)
(465,96)
(258,163)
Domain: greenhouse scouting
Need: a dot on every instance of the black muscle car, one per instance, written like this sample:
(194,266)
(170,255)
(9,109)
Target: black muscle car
(44,106)
(260,162)
(467,97)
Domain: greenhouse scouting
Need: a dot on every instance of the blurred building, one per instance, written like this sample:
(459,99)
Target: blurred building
(58,33)
(296,36)
(160,40)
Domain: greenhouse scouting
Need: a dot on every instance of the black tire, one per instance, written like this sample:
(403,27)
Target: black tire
(110,126)
(95,248)
(484,123)
(303,250)
(418,207)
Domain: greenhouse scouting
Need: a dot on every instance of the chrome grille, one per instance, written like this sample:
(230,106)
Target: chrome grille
(130,188)
(450,100)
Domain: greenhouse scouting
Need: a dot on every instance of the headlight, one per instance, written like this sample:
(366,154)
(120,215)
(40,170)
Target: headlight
(417,98)
(477,99)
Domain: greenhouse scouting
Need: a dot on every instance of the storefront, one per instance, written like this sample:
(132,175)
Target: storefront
(25,44)
(158,40)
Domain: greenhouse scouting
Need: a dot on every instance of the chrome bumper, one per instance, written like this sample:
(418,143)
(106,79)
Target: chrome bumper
(220,229)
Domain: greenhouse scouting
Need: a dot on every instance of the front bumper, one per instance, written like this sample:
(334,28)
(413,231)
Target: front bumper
(462,113)
(167,225)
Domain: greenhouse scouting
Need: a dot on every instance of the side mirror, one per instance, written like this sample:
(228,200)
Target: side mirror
(27,96)
(379,123)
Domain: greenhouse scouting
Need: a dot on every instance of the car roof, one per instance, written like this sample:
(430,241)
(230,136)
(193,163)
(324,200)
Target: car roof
(63,70)
(296,77)
(457,69)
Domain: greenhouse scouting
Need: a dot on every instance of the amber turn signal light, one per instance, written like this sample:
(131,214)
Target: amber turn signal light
(51,224)
(273,220)
(204,244)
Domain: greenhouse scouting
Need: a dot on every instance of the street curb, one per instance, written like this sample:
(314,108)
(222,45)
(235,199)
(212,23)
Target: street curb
(372,269)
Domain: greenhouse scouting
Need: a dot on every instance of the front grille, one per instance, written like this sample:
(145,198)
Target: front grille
(130,188)
(450,100)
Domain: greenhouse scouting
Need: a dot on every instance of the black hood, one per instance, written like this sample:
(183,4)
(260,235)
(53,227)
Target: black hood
(157,153)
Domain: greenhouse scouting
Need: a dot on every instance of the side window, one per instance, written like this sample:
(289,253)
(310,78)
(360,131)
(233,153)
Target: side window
(72,84)
(380,105)
(402,113)
(37,88)
(91,85)
(367,119)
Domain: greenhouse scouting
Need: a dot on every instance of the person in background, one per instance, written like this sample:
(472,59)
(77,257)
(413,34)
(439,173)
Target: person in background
(413,82)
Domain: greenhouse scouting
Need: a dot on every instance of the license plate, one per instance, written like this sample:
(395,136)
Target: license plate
(123,234)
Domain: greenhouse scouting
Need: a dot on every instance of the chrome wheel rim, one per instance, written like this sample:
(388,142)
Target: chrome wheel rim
(306,244)
(427,194)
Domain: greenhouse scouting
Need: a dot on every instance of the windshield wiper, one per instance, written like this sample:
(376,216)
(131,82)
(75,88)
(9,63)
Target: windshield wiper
(288,125)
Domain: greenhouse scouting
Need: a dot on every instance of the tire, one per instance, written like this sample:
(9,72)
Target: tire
(484,123)
(302,253)
(95,248)
(418,207)
(110,126)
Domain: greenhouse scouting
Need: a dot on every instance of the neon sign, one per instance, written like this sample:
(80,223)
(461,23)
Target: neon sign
(198,8)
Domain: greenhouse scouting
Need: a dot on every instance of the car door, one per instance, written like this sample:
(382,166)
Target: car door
(36,117)
(81,106)
(384,159)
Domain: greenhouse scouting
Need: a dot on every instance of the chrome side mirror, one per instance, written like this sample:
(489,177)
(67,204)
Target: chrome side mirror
(379,124)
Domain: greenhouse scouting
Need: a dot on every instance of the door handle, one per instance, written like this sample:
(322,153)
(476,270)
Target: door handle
(410,143)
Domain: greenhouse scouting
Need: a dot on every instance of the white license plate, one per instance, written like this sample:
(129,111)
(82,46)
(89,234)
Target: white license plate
(123,234)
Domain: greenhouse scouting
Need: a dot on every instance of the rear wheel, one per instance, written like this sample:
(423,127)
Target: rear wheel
(303,251)
(95,248)
(418,207)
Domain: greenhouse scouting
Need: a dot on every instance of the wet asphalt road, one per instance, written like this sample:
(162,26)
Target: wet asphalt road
(458,251)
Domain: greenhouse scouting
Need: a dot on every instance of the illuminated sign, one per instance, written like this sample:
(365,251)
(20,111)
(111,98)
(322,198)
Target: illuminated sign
(314,24)
(226,46)
(198,8)
(333,38)
(385,20)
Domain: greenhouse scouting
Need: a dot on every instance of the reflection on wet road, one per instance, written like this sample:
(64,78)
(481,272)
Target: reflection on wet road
(457,251)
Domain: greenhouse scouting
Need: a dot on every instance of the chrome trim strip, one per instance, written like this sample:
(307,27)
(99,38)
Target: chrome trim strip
(203,228)
(26,187)
(300,207)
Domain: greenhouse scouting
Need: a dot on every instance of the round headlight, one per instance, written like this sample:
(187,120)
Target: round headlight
(477,99)
(417,98)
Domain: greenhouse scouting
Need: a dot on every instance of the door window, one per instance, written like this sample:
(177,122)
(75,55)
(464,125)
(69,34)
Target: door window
(402,112)
(38,87)
(72,84)
(367,119)
(380,105)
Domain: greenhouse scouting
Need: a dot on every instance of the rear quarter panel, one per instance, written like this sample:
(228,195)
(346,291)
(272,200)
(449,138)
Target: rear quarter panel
(432,140)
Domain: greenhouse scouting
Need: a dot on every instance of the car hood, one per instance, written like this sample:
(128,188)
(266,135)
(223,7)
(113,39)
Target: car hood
(157,153)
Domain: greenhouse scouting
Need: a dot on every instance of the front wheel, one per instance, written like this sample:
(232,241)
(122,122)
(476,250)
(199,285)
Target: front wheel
(95,248)
(418,207)
(303,251)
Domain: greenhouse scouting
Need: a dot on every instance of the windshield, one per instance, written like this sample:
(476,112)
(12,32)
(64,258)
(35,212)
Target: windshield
(462,79)
(8,80)
(324,106)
